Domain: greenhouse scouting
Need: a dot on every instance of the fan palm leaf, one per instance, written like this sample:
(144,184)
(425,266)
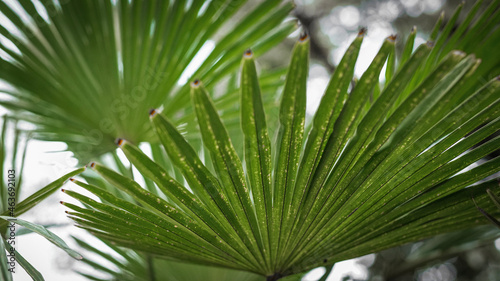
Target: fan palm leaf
(92,66)
(363,180)
(127,264)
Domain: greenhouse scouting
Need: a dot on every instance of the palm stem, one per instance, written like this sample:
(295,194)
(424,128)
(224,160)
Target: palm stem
(274,277)
(327,273)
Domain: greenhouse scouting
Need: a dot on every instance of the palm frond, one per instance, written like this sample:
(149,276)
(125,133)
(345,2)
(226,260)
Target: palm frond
(12,155)
(350,192)
(365,178)
(47,234)
(495,199)
(406,261)
(94,67)
(135,266)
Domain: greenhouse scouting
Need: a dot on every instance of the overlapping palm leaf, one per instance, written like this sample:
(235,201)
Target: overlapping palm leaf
(126,264)
(407,260)
(13,143)
(84,71)
(496,200)
(362,180)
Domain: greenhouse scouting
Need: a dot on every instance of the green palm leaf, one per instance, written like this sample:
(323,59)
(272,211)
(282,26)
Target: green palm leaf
(135,266)
(414,257)
(94,67)
(13,144)
(370,174)
(363,183)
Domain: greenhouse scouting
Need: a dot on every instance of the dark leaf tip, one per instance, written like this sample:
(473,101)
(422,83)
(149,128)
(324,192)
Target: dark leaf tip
(362,31)
(430,43)
(393,37)
(304,36)
(119,142)
(92,165)
(152,112)
(63,190)
(413,29)
(248,53)
(195,83)
(72,179)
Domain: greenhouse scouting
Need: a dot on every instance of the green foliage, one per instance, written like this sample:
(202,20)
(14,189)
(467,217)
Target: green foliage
(50,236)
(409,261)
(94,67)
(135,266)
(13,148)
(12,155)
(496,200)
(381,165)
(362,181)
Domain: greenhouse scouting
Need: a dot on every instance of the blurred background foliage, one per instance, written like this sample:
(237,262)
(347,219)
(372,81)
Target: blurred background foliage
(331,23)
